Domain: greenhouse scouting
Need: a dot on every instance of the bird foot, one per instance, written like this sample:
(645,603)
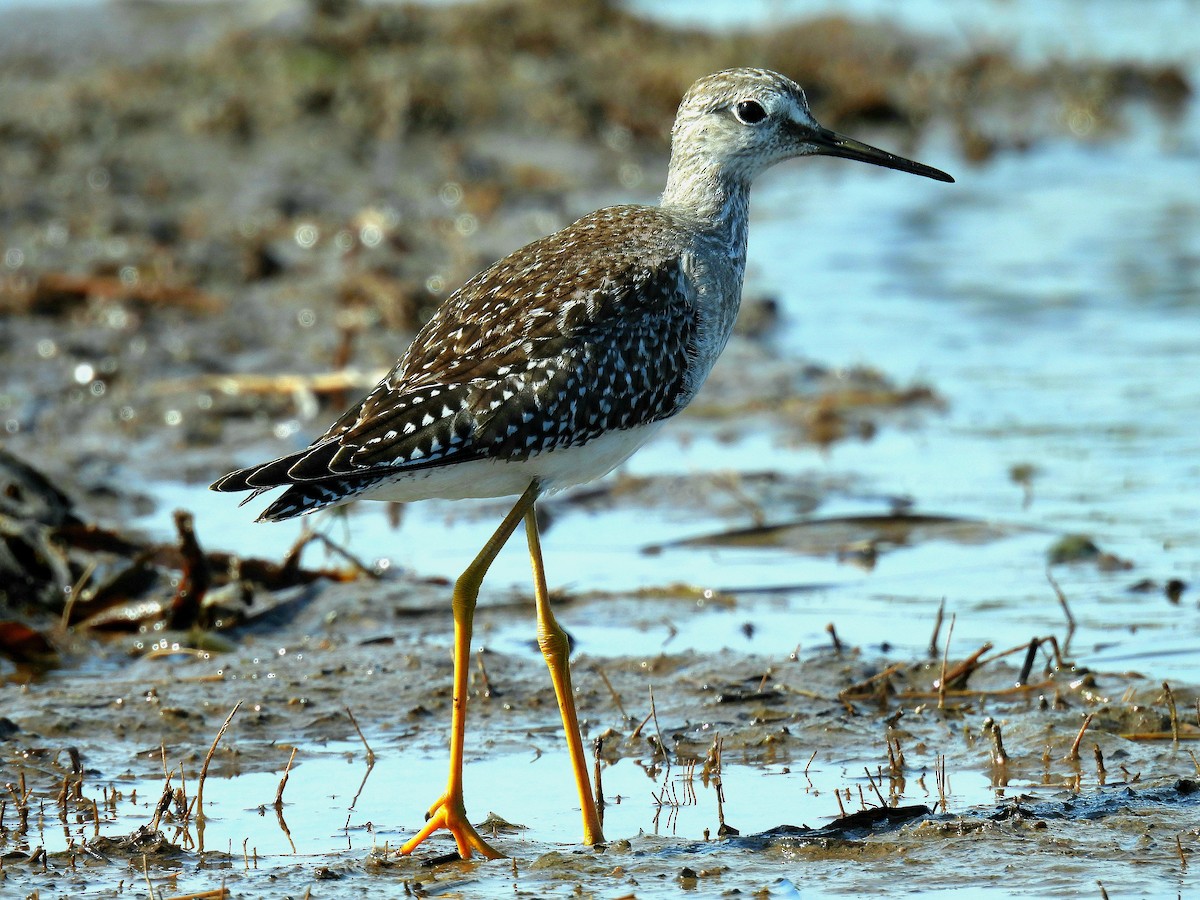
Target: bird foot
(450,814)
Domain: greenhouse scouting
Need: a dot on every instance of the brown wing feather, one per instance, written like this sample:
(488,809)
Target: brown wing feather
(555,344)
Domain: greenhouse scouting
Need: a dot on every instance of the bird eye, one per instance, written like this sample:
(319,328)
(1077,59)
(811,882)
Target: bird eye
(749,112)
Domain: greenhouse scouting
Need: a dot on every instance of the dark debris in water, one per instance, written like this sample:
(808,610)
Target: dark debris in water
(1104,801)
(55,564)
(874,820)
(144,841)
(1080,548)
(835,535)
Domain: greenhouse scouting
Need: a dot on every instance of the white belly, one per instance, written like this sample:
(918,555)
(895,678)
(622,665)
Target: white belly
(555,469)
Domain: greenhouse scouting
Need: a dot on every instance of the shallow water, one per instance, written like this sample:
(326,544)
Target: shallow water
(334,802)
(1052,298)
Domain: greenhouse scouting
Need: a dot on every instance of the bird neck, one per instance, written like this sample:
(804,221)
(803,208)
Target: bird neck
(716,204)
(712,197)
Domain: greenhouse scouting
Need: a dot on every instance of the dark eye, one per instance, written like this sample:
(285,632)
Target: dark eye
(749,112)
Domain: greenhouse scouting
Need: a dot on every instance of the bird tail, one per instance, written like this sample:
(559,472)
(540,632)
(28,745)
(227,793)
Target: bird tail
(303,495)
(302,499)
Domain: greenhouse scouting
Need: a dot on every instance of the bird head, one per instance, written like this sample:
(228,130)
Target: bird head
(746,120)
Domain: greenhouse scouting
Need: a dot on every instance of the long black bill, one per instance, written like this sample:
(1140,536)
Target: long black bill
(830,143)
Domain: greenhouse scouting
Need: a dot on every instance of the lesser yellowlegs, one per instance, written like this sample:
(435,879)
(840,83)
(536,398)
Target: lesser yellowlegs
(552,366)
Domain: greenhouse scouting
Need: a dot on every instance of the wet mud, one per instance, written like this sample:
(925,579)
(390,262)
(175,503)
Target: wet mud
(220,223)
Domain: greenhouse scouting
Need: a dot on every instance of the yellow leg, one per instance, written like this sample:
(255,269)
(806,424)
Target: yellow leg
(449,811)
(555,648)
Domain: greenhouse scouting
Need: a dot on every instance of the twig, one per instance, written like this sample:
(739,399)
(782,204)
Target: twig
(1062,599)
(723,829)
(164,803)
(220,893)
(1174,712)
(354,802)
(146,872)
(1000,654)
(183,793)
(362,737)
(657,729)
(208,759)
(321,384)
(1027,666)
(195,578)
(345,554)
(284,780)
(875,787)
(76,591)
(1073,754)
(962,671)
(689,783)
(937,627)
(814,756)
(999,756)
(895,757)
(616,697)
(597,749)
(637,731)
(487,684)
(837,644)
(943,782)
(1058,656)
(860,686)
(945,653)
(287,832)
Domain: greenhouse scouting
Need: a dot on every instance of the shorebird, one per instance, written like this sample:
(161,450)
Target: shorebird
(552,366)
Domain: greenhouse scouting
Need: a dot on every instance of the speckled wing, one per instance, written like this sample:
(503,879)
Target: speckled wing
(562,341)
